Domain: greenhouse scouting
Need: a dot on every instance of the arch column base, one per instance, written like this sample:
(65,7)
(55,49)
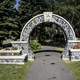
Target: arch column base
(31,57)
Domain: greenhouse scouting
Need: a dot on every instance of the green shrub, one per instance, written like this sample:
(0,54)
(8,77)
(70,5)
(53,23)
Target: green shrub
(35,46)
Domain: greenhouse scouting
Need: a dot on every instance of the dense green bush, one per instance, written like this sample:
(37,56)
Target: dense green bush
(35,45)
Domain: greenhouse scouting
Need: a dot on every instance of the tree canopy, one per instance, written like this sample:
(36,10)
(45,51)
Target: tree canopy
(12,19)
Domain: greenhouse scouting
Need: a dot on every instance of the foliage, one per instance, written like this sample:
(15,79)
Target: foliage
(9,24)
(14,72)
(35,45)
(77,46)
(49,34)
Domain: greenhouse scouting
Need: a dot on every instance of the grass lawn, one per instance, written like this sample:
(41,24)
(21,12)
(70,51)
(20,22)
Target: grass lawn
(60,49)
(14,72)
(75,68)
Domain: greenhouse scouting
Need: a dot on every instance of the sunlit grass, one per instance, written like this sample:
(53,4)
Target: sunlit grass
(60,49)
(14,72)
(75,68)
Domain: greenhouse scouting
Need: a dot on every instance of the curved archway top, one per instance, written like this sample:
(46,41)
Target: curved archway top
(47,17)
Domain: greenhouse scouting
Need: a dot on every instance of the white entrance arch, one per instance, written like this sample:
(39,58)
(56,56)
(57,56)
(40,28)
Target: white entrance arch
(45,17)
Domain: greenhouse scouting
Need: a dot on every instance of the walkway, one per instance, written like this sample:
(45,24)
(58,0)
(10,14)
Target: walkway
(48,66)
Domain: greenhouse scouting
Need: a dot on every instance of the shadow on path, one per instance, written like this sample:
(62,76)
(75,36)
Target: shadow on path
(47,51)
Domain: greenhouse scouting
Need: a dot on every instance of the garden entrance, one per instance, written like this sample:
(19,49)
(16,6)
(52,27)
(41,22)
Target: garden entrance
(41,18)
(23,48)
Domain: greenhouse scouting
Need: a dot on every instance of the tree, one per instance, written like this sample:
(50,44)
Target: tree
(9,26)
(69,9)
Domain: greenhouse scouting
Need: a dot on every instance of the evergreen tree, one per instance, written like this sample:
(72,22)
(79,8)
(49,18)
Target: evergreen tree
(69,9)
(9,25)
(12,21)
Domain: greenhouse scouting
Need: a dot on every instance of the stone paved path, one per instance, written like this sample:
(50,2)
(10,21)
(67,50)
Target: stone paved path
(48,66)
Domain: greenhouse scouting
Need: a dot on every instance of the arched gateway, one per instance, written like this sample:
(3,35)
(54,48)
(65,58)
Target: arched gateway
(45,17)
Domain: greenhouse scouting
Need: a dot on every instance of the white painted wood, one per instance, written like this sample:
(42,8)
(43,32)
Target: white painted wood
(75,50)
(74,41)
(10,51)
(18,42)
(12,57)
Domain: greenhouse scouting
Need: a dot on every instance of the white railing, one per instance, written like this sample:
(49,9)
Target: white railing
(10,52)
(75,52)
(12,59)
